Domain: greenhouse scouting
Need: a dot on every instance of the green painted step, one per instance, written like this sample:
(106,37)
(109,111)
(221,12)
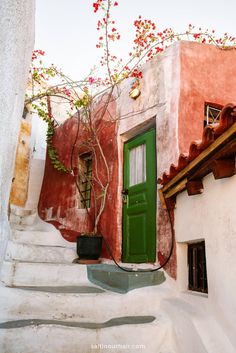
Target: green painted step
(118,321)
(112,278)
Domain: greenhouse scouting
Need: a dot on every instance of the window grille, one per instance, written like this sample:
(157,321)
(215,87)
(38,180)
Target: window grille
(212,114)
(84,180)
(197,267)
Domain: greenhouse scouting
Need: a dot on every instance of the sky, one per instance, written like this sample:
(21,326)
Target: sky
(66,29)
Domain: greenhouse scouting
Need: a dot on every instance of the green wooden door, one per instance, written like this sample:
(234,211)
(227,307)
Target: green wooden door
(139,199)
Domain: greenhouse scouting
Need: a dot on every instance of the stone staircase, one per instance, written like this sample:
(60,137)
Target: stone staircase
(47,303)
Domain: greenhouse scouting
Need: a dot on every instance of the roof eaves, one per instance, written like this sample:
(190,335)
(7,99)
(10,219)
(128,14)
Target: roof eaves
(213,142)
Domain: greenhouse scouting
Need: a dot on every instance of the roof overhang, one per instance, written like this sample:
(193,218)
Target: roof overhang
(218,157)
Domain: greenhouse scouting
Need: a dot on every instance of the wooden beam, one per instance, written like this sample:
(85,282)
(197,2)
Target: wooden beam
(207,153)
(194,187)
(223,168)
(206,167)
(162,198)
(166,202)
(176,189)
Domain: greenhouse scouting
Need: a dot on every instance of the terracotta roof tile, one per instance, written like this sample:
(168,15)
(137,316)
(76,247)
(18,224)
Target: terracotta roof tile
(209,135)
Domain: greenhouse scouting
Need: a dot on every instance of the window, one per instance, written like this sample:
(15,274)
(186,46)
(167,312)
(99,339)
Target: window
(137,173)
(84,180)
(197,274)
(212,114)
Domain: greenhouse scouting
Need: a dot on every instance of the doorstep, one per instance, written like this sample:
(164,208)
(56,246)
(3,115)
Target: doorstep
(113,278)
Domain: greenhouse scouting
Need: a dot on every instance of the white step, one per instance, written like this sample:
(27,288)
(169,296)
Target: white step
(193,316)
(37,237)
(41,274)
(155,337)
(214,339)
(23,219)
(39,253)
(24,304)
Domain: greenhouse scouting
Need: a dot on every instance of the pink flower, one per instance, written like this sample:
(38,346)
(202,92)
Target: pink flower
(95,7)
(91,80)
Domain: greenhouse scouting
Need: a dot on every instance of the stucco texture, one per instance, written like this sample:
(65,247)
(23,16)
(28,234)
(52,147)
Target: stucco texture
(208,75)
(19,190)
(59,196)
(16,43)
(210,217)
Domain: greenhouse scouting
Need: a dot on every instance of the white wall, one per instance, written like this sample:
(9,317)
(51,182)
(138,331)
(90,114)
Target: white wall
(211,216)
(159,99)
(38,147)
(16,43)
(156,106)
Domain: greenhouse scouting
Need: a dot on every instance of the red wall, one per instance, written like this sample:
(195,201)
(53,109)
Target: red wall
(208,74)
(58,200)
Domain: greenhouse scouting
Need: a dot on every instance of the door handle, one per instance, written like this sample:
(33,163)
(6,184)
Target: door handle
(124,195)
(125,192)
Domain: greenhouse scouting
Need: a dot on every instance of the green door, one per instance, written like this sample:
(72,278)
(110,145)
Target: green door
(139,199)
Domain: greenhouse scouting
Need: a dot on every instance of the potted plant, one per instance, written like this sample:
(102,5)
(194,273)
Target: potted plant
(89,246)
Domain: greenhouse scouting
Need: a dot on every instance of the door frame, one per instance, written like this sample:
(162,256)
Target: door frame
(128,137)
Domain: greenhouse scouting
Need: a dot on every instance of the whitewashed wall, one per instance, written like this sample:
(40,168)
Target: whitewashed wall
(38,148)
(211,217)
(16,43)
(159,100)
(157,106)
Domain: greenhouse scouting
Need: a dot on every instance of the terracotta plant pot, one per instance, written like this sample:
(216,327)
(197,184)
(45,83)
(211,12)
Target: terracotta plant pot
(89,247)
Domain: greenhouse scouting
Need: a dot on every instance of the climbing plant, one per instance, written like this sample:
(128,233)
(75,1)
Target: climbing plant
(52,153)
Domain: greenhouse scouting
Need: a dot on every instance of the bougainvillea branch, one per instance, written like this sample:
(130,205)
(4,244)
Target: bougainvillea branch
(83,96)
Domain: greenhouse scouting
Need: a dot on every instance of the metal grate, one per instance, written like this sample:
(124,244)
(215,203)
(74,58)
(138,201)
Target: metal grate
(85,176)
(197,267)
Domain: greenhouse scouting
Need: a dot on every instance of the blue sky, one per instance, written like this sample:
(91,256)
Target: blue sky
(66,29)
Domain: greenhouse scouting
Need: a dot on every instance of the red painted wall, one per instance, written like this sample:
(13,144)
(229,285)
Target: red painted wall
(59,194)
(58,200)
(208,74)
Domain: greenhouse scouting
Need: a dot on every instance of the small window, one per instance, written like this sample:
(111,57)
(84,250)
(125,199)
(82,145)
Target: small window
(212,114)
(137,173)
(84,180)
(197,273)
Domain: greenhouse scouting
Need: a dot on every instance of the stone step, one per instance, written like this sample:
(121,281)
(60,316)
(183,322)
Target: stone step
(40,237)
(39,253)
(132,334)
(193,316)
(22,211)
(23,218)
(113,278)
(16,273)
(94,307)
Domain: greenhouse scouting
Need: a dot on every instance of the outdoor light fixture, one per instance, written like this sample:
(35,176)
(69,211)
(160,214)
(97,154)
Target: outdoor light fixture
(135,90)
